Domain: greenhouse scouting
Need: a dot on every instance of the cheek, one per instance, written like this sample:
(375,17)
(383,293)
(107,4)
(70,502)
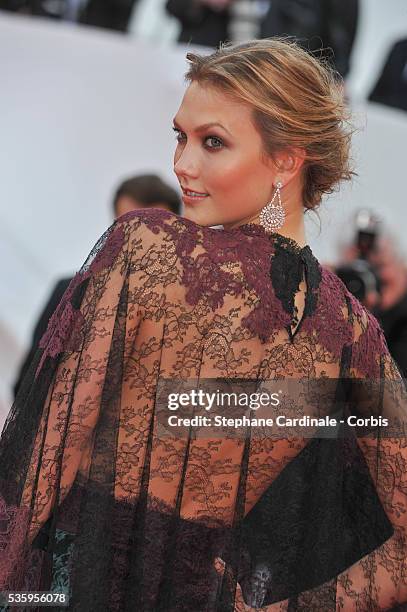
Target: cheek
(229,174)
(243,180)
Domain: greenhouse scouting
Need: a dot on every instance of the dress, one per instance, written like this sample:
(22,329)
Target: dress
(128,515)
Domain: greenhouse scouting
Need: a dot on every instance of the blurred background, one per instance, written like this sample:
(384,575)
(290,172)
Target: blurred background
(89,89)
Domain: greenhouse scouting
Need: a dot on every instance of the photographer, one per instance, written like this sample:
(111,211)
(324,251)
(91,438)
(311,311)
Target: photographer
(376,274)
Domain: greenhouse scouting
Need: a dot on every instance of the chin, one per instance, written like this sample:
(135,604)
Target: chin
(201,217)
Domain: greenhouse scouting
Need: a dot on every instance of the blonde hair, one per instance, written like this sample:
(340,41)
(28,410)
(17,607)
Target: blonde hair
(297,101)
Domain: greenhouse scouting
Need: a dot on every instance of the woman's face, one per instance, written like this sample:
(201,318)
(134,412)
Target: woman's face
(221,161)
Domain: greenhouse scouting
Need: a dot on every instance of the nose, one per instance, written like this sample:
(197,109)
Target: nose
(186,162)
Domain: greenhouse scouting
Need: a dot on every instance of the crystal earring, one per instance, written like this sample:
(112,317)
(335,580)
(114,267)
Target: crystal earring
(272,216)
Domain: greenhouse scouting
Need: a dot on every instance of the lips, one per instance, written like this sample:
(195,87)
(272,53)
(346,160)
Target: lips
(191,193)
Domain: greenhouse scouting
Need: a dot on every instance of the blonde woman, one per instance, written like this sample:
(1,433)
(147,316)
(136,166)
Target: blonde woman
(106,502)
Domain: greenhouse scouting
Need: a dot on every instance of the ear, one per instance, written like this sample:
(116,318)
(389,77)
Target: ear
(288,163)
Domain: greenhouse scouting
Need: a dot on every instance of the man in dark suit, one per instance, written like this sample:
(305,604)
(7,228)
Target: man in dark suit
(391,88)
(110,14)
(204,22)
(143,191)
(316,23)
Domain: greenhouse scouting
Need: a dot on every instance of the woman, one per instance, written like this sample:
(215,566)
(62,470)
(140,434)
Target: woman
(155,517)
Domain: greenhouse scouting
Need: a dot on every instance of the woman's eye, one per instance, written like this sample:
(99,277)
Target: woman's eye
(217,142)
(179,134)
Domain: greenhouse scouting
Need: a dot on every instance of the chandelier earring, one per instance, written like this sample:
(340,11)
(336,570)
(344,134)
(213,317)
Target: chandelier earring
(272,216)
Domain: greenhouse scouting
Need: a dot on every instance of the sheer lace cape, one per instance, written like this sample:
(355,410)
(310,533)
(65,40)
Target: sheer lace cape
(217,522)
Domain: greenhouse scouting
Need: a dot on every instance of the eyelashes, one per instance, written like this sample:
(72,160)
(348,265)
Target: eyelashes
(178,133)
(180,137)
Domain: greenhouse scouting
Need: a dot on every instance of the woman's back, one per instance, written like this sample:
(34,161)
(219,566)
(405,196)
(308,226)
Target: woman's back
(225,303)
(176,518)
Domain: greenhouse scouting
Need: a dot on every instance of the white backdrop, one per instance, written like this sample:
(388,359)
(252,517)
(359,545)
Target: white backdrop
(81,109)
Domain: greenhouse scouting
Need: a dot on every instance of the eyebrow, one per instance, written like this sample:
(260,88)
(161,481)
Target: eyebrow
(205,126)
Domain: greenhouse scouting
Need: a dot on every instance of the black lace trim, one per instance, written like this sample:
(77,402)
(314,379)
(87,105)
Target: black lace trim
(286,272)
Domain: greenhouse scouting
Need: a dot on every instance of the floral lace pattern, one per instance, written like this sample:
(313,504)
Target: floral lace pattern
(216,523)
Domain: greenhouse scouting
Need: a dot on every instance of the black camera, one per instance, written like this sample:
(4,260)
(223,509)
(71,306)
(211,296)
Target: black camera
(360,276)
